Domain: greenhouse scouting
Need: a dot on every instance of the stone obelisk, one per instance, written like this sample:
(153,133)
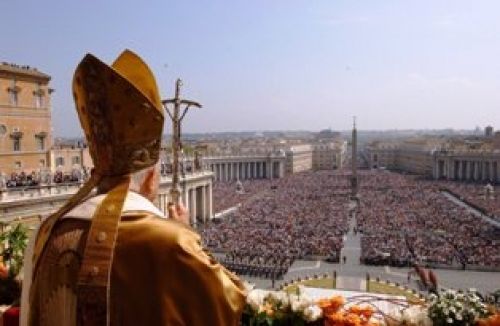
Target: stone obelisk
(354,162)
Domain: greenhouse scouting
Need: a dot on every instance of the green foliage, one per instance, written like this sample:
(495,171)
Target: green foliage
(13,242)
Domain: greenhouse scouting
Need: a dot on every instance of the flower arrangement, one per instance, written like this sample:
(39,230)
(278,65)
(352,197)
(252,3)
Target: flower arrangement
(269,308)
(416,315)
(456,308)
(336,314)
(281,308)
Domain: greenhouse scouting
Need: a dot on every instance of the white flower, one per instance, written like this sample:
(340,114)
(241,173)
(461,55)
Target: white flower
(458,317)
(248,286)
(299,303)
(414,315)
(449,320)
(255,298)
(312,313)
(279,297)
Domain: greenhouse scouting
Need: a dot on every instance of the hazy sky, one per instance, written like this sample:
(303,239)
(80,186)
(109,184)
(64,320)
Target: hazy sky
(263,64)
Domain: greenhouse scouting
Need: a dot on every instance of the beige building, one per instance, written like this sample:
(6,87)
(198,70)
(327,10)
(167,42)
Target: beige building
(472,160)
(299,158)
(475,159)
(245,167)
(65,158)
(25,119)
(412,155)
(268,163)
(329,155)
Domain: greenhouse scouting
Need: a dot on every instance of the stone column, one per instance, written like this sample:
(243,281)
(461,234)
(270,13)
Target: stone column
(467,170)
(193,212)
(255,170)
(497,172)
(210,198)
(490,171)
(204,195)
(203,205)
(186,200)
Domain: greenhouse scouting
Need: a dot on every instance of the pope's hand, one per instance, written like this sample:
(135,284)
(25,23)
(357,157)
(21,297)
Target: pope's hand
(178,212)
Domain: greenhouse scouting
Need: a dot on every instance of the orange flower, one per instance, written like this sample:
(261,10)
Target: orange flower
(365,312)
(352,320)
(334,319)
(493,320)
(331,305)
(4,271)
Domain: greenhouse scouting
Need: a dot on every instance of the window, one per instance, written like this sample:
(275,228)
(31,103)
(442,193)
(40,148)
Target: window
(38,101)
(13,97)
(40,143)
(59,161)
(16,144)
(38,96)
(75,160)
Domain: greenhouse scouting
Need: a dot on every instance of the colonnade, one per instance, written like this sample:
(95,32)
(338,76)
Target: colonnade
(243,170)
(480,170)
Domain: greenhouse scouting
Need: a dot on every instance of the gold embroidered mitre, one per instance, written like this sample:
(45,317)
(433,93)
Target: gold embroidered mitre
(120,112)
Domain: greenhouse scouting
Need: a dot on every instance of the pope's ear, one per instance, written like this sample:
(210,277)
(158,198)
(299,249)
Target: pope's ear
(150,180)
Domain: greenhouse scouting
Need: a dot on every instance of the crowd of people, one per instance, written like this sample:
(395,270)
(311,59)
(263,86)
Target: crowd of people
(484,197)
(230,194)
(302,215)
(37,178)
(405,220)
(22,179)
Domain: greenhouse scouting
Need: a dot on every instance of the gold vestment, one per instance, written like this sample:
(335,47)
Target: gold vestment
(160,276)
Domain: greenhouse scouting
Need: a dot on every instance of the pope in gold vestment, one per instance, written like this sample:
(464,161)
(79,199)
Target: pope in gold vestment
(112,258)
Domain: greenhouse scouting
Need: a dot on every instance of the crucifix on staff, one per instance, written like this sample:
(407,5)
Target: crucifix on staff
(177,105)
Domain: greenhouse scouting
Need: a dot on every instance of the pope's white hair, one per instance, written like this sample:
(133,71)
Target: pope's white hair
(139,176)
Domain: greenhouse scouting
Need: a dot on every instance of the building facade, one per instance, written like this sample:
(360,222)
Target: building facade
(472,166)
(66,158)
(410,155)
(329,156)
(299,158)
(246,167)
(25,119)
